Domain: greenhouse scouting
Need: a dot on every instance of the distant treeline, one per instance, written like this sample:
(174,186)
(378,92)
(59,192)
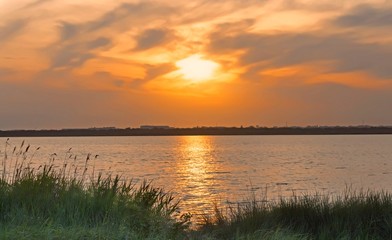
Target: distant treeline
(198,131)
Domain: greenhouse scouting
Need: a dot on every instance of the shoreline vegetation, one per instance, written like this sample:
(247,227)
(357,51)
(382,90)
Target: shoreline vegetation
(168,131)
(67,202)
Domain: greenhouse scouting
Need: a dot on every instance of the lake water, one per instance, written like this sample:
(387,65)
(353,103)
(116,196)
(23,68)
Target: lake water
(203,170)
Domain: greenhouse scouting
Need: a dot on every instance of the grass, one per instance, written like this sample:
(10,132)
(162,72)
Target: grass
(69,203)
(352,215)
(61,203)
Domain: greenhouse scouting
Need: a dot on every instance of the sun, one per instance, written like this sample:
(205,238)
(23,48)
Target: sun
(197,69)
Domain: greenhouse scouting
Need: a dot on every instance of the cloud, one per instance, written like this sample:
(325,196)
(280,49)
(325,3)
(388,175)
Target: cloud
(12,28)
(107,80)
(152,72)
(74,46)
(68,31)
(37,3)
(76,54)
(139,12)
(366,16)
(262,51)
(151,38)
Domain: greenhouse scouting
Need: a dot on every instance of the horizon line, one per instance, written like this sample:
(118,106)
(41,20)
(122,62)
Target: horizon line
(167,127)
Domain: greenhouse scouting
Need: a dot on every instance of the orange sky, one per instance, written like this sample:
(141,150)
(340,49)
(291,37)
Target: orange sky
(67,64)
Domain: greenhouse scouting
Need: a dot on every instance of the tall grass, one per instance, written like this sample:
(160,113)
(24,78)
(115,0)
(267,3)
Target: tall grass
(60,198)
(352,215)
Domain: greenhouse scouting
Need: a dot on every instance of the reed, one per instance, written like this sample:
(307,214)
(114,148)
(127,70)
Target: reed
(351,215)
(59,200)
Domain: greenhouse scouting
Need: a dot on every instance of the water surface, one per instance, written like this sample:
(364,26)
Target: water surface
(203,170)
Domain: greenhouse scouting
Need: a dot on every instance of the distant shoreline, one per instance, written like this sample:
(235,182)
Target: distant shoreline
(209,131)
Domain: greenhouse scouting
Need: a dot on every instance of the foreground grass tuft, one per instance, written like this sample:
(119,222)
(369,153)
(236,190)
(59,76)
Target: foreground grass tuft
(353,215)
(50,202)
(105,208)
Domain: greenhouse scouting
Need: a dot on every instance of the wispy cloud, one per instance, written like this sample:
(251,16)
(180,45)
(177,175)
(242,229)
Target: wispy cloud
(12,28)
(366,16)
(127,14)
(151,38)
(343,51)
(37,3)
(68,31)
(76,54)
(152,72)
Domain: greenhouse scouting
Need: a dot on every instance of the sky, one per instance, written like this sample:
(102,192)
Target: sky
(100,63)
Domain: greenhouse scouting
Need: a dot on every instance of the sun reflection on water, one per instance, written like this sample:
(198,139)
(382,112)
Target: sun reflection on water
(197,168)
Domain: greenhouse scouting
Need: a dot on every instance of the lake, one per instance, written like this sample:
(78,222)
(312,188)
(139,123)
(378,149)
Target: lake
(203,170)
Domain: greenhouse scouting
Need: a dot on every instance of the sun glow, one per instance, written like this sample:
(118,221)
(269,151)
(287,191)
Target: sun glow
(195,68)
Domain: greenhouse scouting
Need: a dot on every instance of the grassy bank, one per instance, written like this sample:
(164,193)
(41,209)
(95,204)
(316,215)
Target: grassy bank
(43,204)
(67,203)
(62,203)
(352,215)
